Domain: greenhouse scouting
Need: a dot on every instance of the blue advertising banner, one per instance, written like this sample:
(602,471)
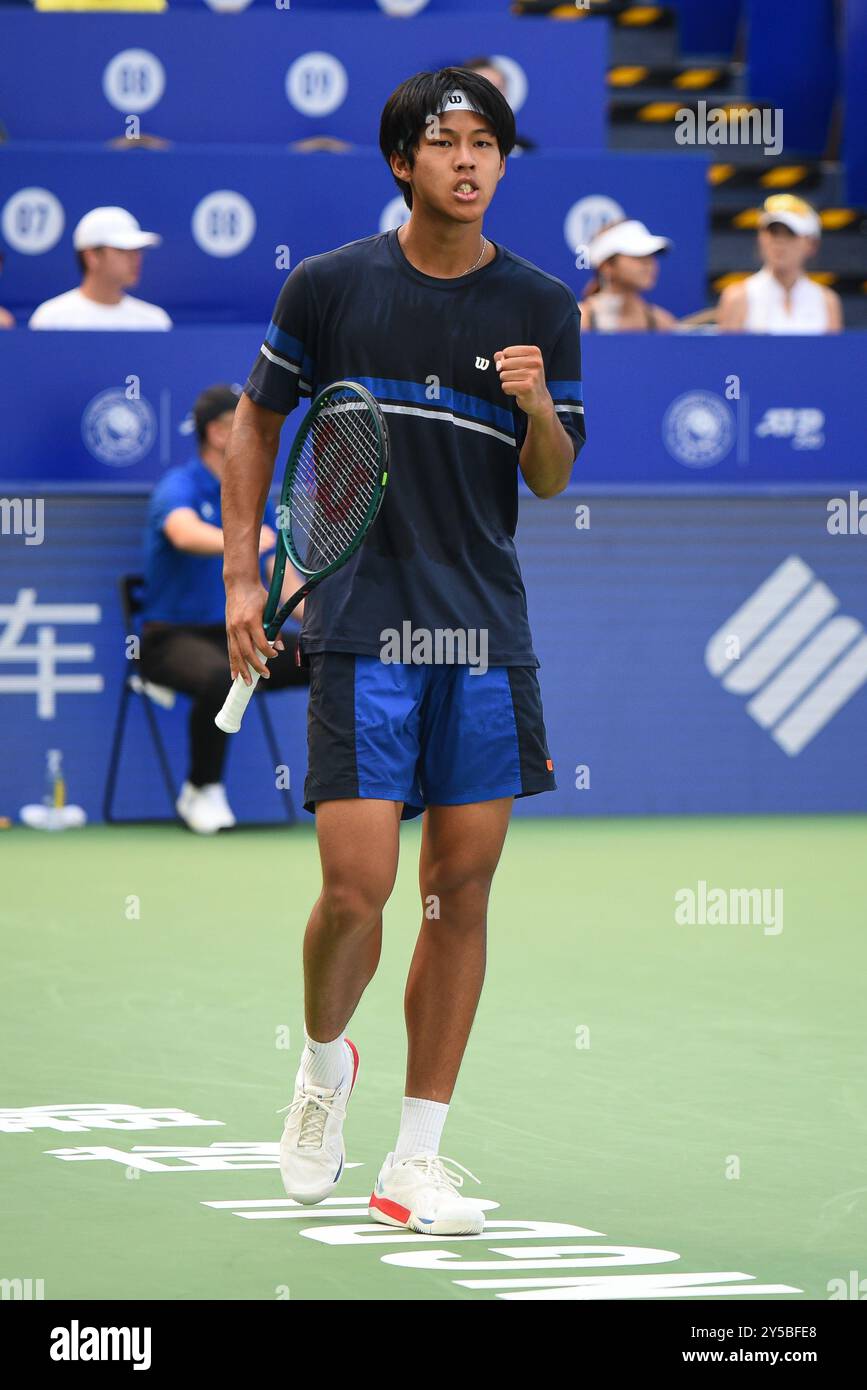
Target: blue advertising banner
(698,655)
(395,9)
(855,102)
(234,222)
(110,410)
(189,75)
(708,29)
(793,65)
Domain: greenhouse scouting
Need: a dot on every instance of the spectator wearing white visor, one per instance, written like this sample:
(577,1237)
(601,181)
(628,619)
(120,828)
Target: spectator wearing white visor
(781,297)
(108,243)
(625,257)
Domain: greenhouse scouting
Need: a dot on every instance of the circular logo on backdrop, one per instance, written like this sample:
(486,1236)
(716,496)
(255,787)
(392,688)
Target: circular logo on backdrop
(402,8)
(698,429)
(224,223)
(316,84)
(393,215)
(117,430)
(229,6)
(32,221)
(587,217)
(516,80)
(134,80)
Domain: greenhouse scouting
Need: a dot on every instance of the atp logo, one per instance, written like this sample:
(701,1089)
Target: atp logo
(118,429)
(698,429)
(483,363)
(783,647)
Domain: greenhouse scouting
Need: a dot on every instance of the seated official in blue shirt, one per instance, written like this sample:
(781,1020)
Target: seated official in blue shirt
(183,628)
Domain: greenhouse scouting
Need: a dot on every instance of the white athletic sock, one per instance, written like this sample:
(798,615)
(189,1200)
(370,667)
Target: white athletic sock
(324,1063)
(421,1125)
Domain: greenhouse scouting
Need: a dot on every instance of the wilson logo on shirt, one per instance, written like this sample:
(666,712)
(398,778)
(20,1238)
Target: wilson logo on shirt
(483,363)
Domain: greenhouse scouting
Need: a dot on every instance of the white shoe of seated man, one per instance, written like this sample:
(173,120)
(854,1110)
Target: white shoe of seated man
(205,809)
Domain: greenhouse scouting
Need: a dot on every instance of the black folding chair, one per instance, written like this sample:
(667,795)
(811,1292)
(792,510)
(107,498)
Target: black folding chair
(134,683)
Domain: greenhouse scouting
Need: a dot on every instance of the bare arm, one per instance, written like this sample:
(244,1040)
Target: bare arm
(186,531)
(247,473)
(548,452)
(836,323)
(731,314)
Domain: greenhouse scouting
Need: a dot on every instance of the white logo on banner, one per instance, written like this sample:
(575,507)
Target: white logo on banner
(45,655)
(393,215)
(81,1117)
(230,6)
(224,223)
(804,427)
(402,9)
(134,80)
(316,84)
(516,80)
(118,430)
(32,221)
(784,645)
(587,217)
(698,429)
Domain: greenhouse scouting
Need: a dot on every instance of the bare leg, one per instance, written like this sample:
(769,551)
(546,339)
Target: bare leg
(358,848)
(461,847)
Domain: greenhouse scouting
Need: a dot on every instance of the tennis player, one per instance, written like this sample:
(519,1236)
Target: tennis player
(423,688)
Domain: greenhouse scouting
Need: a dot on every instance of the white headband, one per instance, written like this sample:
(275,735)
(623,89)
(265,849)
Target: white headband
(457,101)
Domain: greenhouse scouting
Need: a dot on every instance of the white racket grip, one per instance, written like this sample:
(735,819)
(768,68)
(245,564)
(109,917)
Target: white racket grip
(237,700)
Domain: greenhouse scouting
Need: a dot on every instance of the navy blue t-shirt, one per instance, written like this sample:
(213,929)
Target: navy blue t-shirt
(182,587)
(441,554)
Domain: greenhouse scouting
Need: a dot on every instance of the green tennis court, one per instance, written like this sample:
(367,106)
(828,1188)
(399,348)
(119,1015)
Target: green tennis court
(690,1089)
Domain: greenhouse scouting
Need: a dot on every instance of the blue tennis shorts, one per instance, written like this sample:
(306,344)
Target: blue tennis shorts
(426,735)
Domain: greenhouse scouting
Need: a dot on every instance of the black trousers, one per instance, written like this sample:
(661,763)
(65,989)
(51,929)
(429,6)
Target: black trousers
(194,661)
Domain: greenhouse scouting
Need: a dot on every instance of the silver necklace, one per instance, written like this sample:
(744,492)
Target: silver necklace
(481,253)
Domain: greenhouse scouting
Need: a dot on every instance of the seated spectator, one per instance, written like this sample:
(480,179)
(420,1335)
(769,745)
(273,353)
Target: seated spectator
(183,620)
(624,256)
(781,297)
(108,243)
(487,67)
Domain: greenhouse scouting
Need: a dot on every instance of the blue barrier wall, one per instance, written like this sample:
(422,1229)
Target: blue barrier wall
(855,101)
(224,215)
(708,28)
(793,64)
(187,74)
(624,612)
(696,413)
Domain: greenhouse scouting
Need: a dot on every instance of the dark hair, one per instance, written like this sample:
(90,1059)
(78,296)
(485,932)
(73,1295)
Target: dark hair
(210,404)
(410,106)
(82,263)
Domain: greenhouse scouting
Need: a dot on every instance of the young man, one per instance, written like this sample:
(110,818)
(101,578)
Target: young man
(473,354)
(781,297)
(183,619)
(108,243)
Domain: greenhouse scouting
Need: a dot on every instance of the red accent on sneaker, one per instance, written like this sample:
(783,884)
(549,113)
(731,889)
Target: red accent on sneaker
(354,1050)
(384,1204)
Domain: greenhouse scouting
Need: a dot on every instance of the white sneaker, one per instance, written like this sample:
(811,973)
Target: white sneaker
(421,1194)
(205,809)
(312,1152)
(215,793)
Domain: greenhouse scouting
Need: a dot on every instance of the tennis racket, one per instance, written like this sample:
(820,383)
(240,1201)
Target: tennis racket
(332,491)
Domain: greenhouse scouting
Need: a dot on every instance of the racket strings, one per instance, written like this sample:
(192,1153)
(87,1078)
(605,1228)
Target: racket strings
(335,480)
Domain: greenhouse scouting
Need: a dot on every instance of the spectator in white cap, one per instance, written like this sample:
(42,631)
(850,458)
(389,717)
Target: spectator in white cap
(781,297)
(624,256)
(108,243)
